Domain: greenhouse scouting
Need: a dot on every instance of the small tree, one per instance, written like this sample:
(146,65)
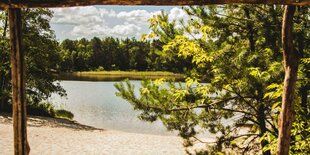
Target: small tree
(238,52)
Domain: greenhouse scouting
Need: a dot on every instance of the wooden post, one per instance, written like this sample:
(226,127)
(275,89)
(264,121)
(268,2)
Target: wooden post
(290,57)
(21,146)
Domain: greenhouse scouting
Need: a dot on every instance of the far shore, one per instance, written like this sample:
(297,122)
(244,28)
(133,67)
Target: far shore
(118,75)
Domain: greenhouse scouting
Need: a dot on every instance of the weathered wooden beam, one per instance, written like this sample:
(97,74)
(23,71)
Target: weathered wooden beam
(291,59)
(70,3)
(21,146)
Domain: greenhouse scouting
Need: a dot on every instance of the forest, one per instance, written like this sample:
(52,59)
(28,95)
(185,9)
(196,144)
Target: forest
(112,54)
(235,49)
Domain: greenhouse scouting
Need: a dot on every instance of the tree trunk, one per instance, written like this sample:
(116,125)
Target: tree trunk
(290,57)
(262,127)
(304,100)
(21,146)
(249,26)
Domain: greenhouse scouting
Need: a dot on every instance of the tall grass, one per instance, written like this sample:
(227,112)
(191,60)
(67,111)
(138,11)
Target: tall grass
(119,75)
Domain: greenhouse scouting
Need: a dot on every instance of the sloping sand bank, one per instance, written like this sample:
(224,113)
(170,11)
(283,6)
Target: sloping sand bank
(57,137)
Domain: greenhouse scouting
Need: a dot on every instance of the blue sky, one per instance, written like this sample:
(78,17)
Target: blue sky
(102,21)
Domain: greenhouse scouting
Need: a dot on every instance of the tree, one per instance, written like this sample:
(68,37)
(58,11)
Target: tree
(240,55)
(68,54)
(42,57)
(4,57)
(164,31)
(84,54)
(98,58)
(291,63)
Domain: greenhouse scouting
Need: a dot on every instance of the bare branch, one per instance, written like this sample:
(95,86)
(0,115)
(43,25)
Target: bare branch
(201,141)
(244,99)
(273,127)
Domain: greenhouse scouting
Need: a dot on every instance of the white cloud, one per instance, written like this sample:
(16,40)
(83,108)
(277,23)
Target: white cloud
(120,31)
(76,16)
(136,16)
(142,14)
(177,14)
(127,29)
(78,22)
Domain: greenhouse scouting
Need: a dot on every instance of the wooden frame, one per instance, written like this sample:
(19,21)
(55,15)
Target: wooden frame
(21,146)
(69,3)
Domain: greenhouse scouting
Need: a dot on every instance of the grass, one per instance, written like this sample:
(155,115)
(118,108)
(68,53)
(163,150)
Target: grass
(119,75)
(130,73)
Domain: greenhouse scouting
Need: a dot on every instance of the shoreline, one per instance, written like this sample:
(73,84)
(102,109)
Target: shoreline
(118,75)
(41,121)
(58,136)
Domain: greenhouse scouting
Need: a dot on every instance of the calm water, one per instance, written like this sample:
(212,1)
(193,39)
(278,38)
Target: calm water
(95,104)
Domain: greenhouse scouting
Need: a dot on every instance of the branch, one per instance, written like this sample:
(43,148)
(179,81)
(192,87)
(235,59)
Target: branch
(248,145)
(252,120)
(273,127)
(256,122)
(186,29)
(201,141)
(235,137)
(198,106)
(70,3)
(236,18)
(244,99)
(204,106)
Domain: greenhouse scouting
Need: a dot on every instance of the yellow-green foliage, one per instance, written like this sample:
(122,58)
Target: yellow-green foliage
(237,49)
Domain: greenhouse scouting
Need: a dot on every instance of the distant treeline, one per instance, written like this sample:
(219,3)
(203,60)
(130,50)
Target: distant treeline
(114,54)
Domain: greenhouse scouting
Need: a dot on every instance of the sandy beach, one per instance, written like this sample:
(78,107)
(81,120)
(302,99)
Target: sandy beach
(48,136)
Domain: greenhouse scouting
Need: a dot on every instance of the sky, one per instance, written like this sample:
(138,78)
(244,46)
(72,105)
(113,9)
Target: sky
(102,21)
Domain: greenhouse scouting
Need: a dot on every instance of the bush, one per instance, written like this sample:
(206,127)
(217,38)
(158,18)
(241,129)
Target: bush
(41,109)
(48,110)
(64,114)
(100,68)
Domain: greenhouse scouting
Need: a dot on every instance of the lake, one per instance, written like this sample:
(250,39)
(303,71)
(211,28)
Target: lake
(95,104)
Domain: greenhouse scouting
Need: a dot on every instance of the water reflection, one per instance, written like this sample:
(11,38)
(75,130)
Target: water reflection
(95,104)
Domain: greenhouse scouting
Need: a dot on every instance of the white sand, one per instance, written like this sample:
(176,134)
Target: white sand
(46,138)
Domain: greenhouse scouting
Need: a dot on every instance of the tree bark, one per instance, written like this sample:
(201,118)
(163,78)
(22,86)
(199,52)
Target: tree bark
(291,58)
(21,146)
